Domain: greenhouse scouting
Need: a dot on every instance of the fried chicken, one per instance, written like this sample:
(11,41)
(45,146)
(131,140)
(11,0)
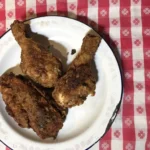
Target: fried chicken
(13,105)
(29,108)
(47,94)
(36,61)
(73,88)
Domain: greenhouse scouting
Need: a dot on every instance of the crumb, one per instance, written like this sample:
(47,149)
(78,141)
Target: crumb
(73,51)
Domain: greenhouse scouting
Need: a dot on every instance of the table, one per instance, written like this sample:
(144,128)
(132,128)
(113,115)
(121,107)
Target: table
(125,25)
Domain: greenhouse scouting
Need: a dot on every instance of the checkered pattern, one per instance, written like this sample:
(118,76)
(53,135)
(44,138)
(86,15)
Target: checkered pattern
(125,25)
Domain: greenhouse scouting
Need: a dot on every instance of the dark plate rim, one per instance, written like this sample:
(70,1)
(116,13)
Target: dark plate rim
(114,115)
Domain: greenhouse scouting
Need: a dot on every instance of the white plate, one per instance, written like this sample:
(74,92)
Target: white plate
(85,124)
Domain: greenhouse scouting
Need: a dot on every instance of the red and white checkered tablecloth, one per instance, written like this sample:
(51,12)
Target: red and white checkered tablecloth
(125,24)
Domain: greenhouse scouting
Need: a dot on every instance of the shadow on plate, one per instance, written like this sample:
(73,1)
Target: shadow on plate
(15,69)
(60,52)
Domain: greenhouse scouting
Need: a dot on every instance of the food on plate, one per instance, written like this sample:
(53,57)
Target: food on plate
(73,88)
(40,99)
(13,105)
(29,107)
(47,94)
(36,61)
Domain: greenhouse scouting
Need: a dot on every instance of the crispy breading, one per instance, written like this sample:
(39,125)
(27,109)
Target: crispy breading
(36,61)
(73,88)
(29,108)
(11,99)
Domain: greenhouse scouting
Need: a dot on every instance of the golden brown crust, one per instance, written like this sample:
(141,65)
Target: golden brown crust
(36,61)
(20,96)
(47,94)
(73,88)
(87,52)
(13,105)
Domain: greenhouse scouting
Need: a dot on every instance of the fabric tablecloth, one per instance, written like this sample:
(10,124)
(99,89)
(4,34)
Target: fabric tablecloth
(125,25)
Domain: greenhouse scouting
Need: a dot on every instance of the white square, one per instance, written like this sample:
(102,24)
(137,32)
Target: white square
(138,98)
(92,12)
(137,53)
(116,144)
(135,11)
(114,32)
(139,75)
(140,144)
(114,12)
(136,32)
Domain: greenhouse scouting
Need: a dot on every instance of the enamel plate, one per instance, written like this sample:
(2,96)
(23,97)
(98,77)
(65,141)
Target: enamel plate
(85,124)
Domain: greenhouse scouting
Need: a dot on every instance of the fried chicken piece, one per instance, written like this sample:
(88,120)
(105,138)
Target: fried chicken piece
(73,88)
(47,94)
(28,107)
(36,61)
(11,99)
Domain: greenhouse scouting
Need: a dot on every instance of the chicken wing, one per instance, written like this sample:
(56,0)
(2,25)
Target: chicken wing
(73,88)
(36,61)
(29,108)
